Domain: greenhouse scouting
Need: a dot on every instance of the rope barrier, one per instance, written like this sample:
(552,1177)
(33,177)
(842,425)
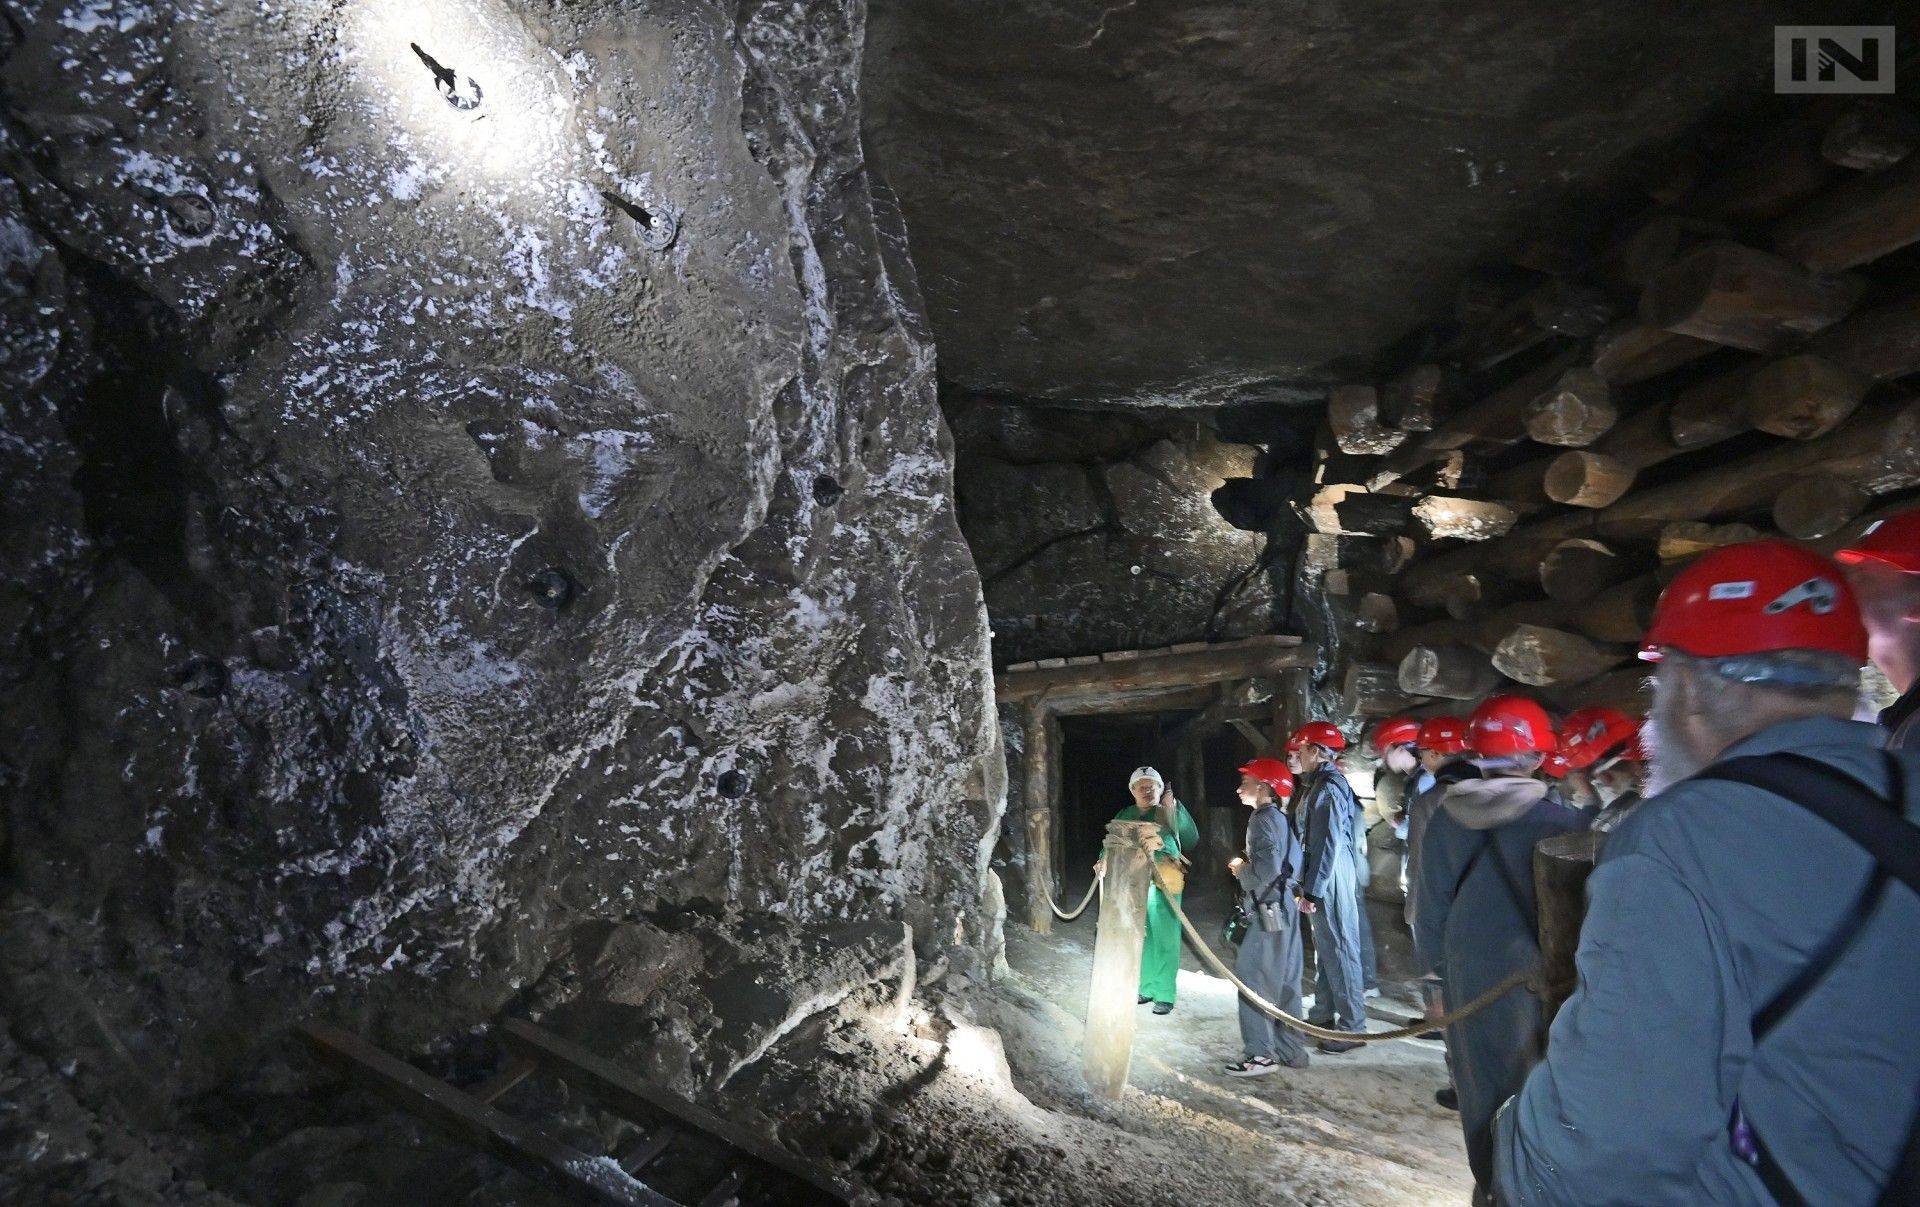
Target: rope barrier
(1046,886)
(1301,1025)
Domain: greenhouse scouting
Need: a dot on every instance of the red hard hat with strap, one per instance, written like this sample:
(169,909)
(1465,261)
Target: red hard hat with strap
(1396,731)
(1894,541)
(1444,735)
(1273,773)
(1591,734)
(1504,725)
(1317,733)
(1757,598)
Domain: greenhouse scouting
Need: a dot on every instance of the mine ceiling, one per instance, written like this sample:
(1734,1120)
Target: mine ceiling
(1159,203)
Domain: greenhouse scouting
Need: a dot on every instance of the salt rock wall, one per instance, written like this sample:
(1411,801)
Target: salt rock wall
(1096,531)
(471,471)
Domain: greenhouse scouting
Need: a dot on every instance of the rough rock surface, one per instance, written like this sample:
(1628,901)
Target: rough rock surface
(1184,204)
(471,472)
(1097,531)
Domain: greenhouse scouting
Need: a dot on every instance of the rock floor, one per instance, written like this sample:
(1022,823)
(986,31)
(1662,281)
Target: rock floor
(977,1098)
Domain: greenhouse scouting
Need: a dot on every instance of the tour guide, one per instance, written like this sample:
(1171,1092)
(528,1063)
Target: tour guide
(1160,957)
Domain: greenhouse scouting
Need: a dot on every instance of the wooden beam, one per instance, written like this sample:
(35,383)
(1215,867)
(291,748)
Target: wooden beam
(1249,658)
(1856,222)
(522,1145)
(626,1093)
(1744,297)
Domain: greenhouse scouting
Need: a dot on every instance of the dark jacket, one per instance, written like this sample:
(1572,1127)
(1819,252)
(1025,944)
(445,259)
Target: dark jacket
(1479,925)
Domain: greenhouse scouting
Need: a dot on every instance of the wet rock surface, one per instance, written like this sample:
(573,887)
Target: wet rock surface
(472,472)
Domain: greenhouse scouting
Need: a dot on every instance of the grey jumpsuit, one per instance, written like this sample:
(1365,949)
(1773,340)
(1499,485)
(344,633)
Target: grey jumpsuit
(1328,813)
(1270,962)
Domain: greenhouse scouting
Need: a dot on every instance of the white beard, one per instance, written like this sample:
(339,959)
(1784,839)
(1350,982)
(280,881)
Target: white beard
(1401,759)
(1667,760)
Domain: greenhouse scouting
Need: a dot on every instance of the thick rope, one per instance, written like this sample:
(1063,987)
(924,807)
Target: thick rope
(1046,886)
(1306,1028)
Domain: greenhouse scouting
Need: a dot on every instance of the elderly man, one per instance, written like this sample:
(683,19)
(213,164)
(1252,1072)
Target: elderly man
(1270,959)
(1749,986)
(1326,813)
(1478,920)
(1884,568)
(1602,749)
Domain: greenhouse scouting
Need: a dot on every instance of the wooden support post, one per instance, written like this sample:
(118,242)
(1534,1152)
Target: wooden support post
(1039,802)
(1561,865)
(1111,1010)
(1741,296)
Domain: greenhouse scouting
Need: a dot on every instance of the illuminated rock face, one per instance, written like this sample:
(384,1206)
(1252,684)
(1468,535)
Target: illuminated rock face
(472,470)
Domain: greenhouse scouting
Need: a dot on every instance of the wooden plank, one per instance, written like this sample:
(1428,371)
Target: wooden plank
(628,1094)
(1197,665)
(647,1149)
(521,1144)
(495,1087)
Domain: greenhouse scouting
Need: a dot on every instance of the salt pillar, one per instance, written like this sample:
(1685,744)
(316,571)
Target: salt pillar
(1111,1001)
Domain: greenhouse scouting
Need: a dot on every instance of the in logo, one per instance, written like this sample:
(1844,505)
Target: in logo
(1833,58)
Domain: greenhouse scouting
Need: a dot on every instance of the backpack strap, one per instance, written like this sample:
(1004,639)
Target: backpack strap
(1841,801)
(1878,828)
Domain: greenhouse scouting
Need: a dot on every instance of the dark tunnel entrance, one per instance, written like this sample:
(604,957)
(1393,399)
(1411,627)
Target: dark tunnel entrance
(1099,752)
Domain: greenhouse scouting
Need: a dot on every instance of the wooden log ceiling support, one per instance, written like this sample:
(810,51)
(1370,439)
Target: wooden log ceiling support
(1375,612)
(1857,221)
(1648,243)
(1818,505)
(1499,418)
(1349,510)
(1880,343)
(1384,555)
(1540,656)
(1412,400)
(1372,689)
(1746,298)
(1452,517)
(1249,658)
(1871,135)
(1574,412)
(1877,449)
(1630,351)
(1624,689)
(1802,396)
(1779,173)
(1451,672)
(1712,410)
(1576,570)
(1683,540)
(1353,412)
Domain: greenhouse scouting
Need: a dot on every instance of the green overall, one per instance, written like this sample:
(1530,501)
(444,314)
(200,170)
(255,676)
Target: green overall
(1160,957)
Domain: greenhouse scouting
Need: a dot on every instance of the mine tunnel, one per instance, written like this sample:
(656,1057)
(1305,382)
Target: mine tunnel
(586,587)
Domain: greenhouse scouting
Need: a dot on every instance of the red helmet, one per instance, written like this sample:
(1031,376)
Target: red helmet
(1894,540)
(1316,733)
(1757,598)
(1556,765)
(1505,725)
(1591,734)
(1444,735)
(1273,773)
(1395,731)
